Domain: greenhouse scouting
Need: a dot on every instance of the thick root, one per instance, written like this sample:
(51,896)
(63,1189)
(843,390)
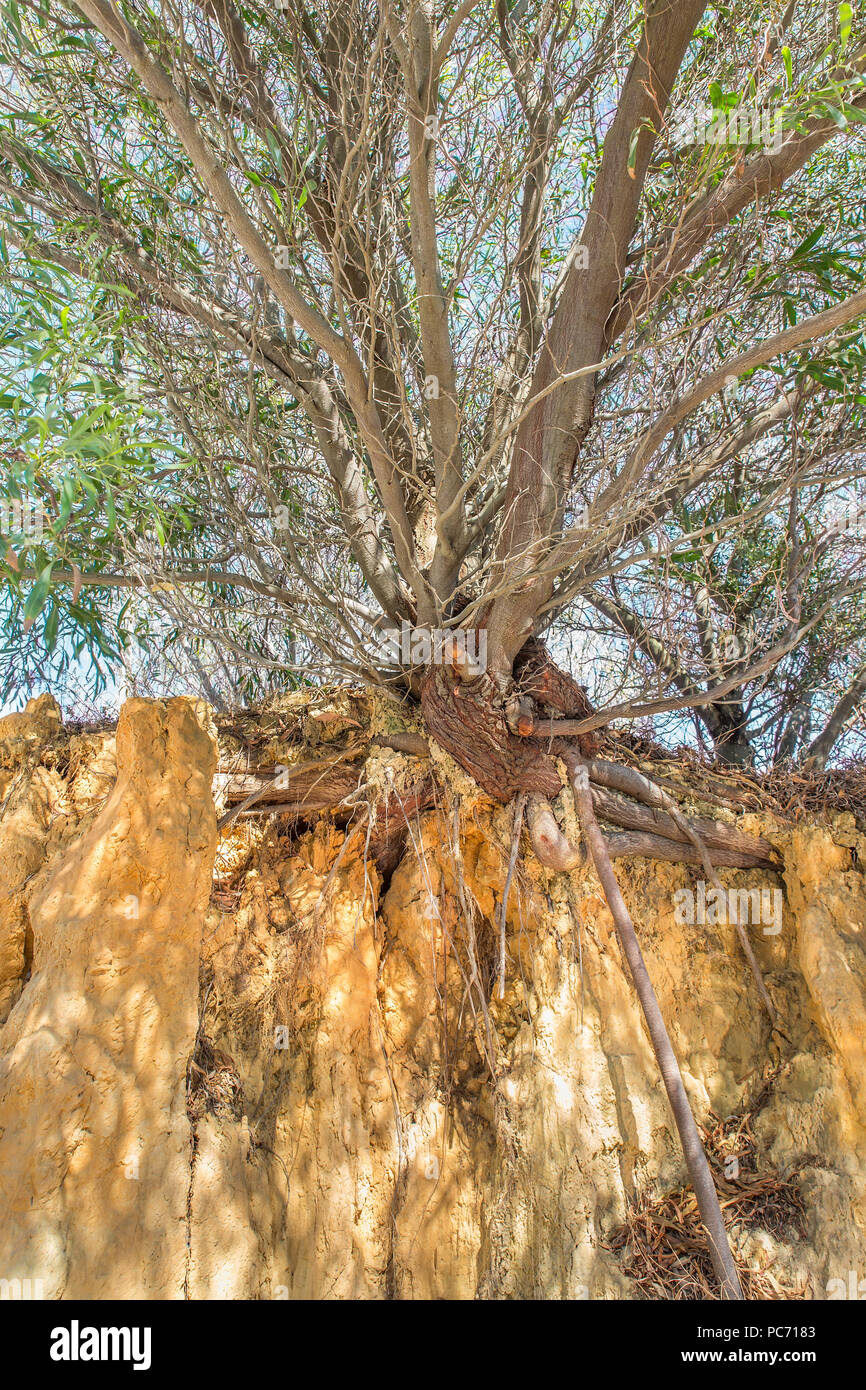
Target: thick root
(641,844)
(552,848)
(664,816)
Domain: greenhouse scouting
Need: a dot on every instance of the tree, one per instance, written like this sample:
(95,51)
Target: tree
(782,603)
(393,314)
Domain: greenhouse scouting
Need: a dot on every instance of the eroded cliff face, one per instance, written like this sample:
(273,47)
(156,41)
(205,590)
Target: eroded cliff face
(248,1066)
(94,1136)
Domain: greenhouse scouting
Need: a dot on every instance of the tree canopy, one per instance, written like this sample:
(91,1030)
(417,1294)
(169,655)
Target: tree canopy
(539,319)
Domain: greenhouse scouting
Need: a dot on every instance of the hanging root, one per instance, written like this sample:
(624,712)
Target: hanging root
(552,848)
(696,1159)
(512,860)
(629,780)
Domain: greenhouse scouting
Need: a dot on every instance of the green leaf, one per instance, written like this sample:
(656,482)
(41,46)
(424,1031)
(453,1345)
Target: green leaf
(846,16)
(682,557)
(276,152)
(722,100)
(836,116)
(38,596)
(51,625)
(67,497)
(809,241)
(789,70)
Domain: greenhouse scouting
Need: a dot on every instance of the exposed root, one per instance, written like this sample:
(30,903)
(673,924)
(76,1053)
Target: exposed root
(302,788)
(630,779)
(512,860)
(619,810)
(696,1159)
(488,740)
(631,844)
(661,1240)
(413,744)
(552,848)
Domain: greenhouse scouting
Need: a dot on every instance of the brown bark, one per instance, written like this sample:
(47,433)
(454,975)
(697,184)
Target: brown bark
(391,820)
(549,439)
(543,681)
(317,788)
(715,834)
(464,722)
(630,844)
(652,795)
(303,801)
(468,725)
(552,848)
